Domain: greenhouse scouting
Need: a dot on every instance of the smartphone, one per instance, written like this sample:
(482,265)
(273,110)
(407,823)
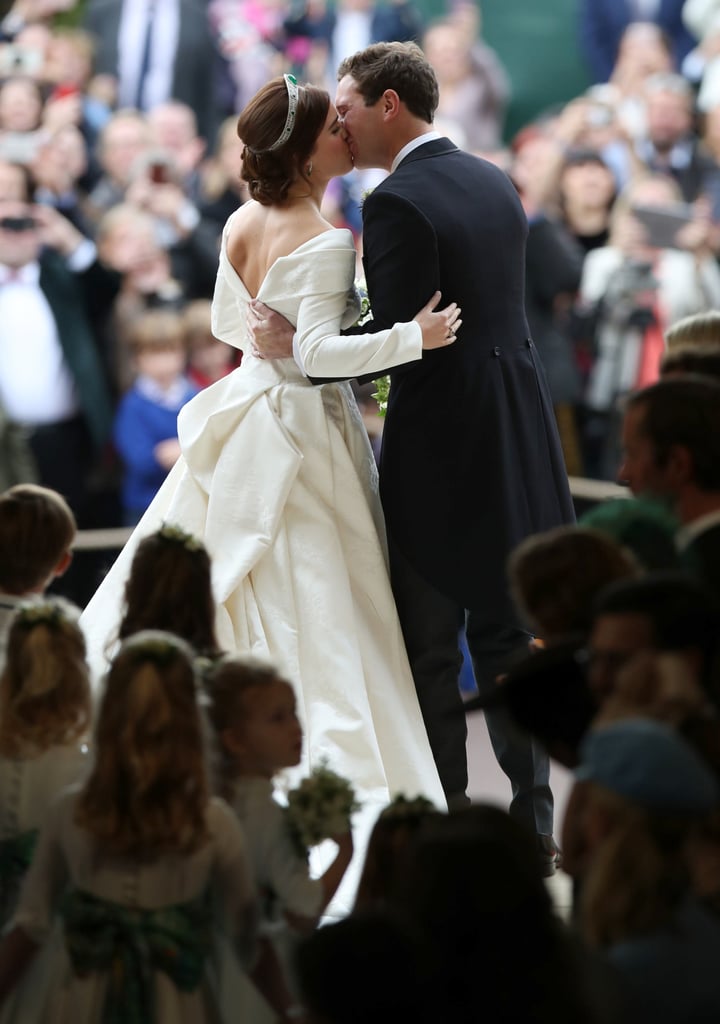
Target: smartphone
(20,147)
(599,116)
(662,223)
(17,61)
(159,172)
(17,224)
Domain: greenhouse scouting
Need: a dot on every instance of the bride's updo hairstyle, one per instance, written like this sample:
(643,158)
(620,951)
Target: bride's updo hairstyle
(280,126)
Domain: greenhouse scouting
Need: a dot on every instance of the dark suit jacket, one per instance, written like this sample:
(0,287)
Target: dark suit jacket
(471,462)
(602,23)
(702,559)
(198,65)
(76,301)
(554,262)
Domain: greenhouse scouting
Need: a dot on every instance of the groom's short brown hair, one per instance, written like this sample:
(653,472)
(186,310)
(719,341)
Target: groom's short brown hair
(402,67)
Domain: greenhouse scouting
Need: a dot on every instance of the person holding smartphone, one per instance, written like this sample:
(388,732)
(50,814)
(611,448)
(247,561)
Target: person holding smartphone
(636,289)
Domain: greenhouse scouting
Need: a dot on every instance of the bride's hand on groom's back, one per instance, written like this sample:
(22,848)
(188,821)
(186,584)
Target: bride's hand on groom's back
(439,327)
(271,335)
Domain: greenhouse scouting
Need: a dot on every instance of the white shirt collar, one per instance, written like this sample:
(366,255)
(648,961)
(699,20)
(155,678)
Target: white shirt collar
(691,531)
(29,274)
(168,398)
(413,144)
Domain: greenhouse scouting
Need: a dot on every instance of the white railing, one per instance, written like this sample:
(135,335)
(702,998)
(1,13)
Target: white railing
(580,488)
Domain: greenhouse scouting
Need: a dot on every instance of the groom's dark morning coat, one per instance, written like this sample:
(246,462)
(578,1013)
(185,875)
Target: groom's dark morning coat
(471,461)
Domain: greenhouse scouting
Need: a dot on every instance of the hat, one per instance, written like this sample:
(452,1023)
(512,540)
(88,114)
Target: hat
(644,525)
(649,764)
(547,695)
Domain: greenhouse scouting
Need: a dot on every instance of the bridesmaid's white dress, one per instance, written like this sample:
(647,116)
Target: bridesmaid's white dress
(278,478)
(51,993)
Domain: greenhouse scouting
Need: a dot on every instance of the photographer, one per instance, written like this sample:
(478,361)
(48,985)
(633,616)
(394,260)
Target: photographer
(53,381)
(633,289)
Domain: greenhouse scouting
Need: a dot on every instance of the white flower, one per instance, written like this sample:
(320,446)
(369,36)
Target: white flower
(320,807)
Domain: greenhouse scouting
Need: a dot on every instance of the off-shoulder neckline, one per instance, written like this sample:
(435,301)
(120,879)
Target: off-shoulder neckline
(308,243)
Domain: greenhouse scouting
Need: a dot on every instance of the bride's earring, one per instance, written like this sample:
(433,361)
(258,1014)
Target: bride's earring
(308,169)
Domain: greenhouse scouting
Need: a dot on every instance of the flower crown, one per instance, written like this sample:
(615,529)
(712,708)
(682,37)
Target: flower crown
(156,646)
(50,613)
(174,533)
(401,807)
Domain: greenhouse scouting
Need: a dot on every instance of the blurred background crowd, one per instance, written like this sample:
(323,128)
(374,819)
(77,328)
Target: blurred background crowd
(119,164)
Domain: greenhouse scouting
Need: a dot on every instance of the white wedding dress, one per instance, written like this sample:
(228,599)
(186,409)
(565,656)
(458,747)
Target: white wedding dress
(278,479)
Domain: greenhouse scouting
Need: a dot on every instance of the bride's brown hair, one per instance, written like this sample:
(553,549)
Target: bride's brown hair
(270,172)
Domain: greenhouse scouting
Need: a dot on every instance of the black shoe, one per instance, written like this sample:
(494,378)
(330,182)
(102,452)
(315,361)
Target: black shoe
(550,855)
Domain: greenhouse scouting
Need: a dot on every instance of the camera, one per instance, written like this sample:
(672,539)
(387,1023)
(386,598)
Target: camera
(599,116)
(159,172)
(17,61)
(18,224)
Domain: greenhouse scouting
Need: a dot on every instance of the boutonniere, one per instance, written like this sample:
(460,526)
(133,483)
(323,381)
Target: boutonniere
(365,310)
(365,193)
(382,394)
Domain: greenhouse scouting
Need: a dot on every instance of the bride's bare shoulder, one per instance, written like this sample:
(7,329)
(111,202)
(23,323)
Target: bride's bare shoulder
(260,235)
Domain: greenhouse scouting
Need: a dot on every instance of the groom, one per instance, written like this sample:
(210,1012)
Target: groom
(471,462)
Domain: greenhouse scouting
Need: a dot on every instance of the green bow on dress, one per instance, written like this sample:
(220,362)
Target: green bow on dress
(15,857)
(131,944)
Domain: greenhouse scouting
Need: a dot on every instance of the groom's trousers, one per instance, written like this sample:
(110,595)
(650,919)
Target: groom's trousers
(431,623)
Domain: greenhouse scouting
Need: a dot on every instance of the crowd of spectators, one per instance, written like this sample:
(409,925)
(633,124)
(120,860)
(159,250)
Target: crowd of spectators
(118,168)
(119,159)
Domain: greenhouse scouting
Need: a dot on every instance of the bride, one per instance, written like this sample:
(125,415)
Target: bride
(277,475)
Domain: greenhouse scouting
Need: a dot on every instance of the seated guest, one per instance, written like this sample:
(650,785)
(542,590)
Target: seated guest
(661,611)
(671,443)
(471,886)
(555,577)
(640,796)
(644,526)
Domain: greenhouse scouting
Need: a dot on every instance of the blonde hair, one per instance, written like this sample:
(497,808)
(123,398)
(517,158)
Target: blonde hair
(147,794)
(700,329)
(37,527)
(228,685)
(639,874)
(196,323)
(83,42)
(45,698)
(156,329)
(691,357)
(121,215)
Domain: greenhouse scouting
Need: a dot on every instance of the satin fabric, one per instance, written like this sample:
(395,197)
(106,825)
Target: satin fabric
(278,479)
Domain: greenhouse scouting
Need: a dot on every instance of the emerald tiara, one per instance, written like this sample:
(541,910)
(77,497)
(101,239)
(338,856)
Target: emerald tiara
(292,91)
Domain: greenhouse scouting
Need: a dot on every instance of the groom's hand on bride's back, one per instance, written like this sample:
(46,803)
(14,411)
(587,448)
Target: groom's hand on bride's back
(271,335)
